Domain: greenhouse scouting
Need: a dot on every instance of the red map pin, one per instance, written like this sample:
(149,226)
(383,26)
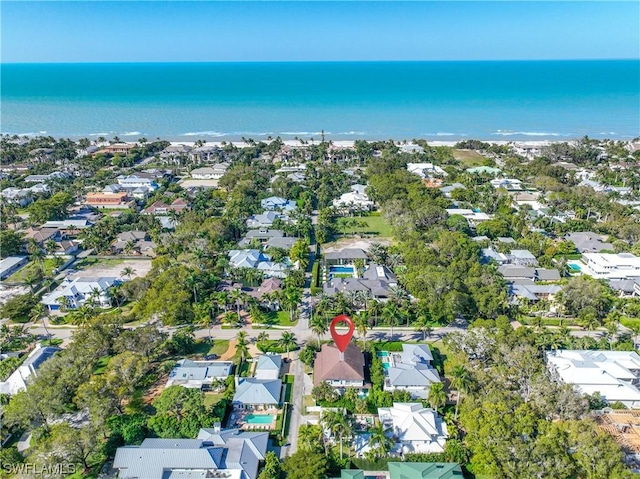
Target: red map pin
(342,340)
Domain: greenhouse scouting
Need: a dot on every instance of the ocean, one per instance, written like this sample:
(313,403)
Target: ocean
(511,100)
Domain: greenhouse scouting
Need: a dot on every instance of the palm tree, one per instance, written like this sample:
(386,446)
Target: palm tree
(338,424)
(423,324)
(263,337)
(237,297)
(379,441)
(437,397)
(51,246)
(374,307)
(391,314)
(635,329)
(288,341)
(291,297)
(462,381)
(127,272)
(242,348)
(361,321)
(319,326)
(40,312)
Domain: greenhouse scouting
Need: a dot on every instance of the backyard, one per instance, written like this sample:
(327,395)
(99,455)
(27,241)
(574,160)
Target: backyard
(374,224)
(31,270)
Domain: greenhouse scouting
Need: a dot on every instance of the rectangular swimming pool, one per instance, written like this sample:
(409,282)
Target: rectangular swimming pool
(340,269)
(258,418)
(573,267)
(382,354)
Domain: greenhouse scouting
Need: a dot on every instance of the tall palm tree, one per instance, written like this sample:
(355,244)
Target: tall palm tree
(40,312)
(462,381)
(242,348)
(374,307)
(391,314)
(263,337)
(635,329)
(379,441)
(339,425)
(288,341)
(423,324)
(319,326)
(361,321)
(437,397)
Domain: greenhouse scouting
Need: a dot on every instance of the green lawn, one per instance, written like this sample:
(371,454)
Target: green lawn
(376,225)
(280,318)
(212,398)
(288,381)
(219,347)
(101,365)
(31,269)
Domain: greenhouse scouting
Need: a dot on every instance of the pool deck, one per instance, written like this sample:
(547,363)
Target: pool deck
(237,419)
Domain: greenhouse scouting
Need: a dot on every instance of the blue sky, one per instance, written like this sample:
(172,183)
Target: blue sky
(116,31)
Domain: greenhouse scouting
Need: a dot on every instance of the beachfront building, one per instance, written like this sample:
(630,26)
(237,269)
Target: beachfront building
(417,429)
(199,374)
(17,381)
(339,370)
(226,453)
(614,374)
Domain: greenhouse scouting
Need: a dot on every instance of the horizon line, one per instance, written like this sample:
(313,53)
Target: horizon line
(164,62)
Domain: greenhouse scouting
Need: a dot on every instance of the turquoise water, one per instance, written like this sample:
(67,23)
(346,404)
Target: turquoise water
(386,365)
(382,354)
(341,269)
(573,267)
(258,418)
(351,100)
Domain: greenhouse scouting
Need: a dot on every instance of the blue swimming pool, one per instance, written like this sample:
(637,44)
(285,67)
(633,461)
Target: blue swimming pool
(340,269)
(573,267)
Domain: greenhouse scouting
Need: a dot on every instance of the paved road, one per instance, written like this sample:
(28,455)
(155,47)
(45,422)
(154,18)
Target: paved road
(296,408)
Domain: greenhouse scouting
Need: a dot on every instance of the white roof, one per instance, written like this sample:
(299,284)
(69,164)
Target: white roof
(412,422)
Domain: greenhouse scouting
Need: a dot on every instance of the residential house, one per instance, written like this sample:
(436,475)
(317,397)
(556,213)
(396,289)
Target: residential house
(268,238)
(447,190)
(265,220)
(134,242)
(268,286)
(118,148)
(473,217)
(254,393)
(354,200)
(277,203)
(533,292)
(39,155)
(417,429)
(484,170)
(522,257)
(411,371)
(74,293)
(206,153)
(377,280)
(44,178)
(252,258)
(176,153)
(214,172)
(509,184)
(11,264)
(610,266)
(108,200)
(138,180)
(345,256)
(339,370)
(268,367)
(230,453)
(426,170)
(614,374)
(199,374)
(159,208)
(626,288)
(424,470)
(412,148)
(17,381)
(512,272)
(588,242)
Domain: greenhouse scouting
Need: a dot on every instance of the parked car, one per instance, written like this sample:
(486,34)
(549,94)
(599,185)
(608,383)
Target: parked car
(209,357)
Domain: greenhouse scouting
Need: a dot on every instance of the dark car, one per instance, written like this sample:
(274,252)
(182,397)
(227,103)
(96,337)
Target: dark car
(209,357)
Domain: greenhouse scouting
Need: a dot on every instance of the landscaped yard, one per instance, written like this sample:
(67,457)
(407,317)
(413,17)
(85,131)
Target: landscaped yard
(212,398)
(376,224)
(31,270)
(280,318)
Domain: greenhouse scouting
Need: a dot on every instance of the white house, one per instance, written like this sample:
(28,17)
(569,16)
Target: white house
(78,291)
(268,367)
(425,170)
(18,379)
(473,217)
(510,184)
(136,181)
(614,374)
(214,172)
(610,265)
(417,429)
(411,371)
(356,199)
(199,374)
